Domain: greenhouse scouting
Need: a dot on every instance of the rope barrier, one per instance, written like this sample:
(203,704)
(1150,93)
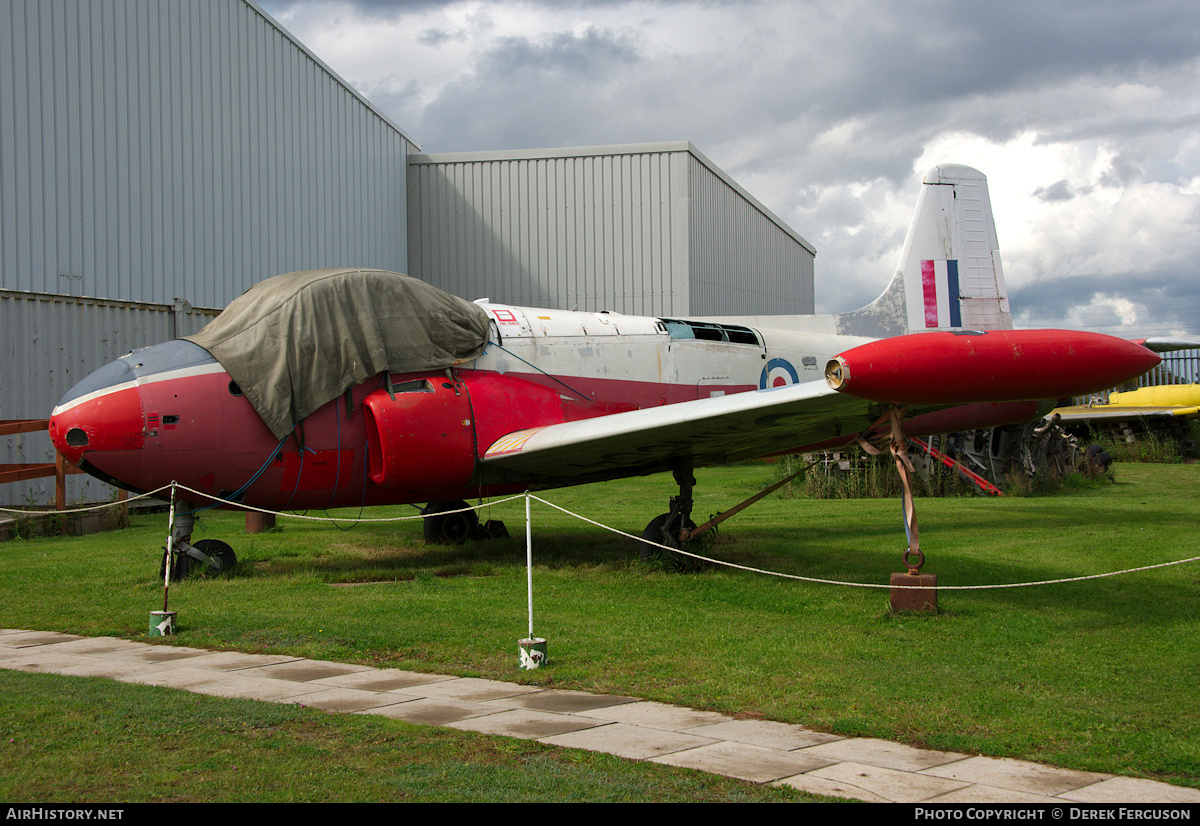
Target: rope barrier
(241,506)
(65,511)
(710,560)
(345,519)
(861,584)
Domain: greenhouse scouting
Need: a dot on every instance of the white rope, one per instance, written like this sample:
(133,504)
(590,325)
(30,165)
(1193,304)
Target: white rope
(863,584)
(26,512)
(348,518)
(710,560)
(126,501)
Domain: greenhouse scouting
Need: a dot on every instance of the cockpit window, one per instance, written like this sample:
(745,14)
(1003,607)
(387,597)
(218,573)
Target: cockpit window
(709,331)
(678,329)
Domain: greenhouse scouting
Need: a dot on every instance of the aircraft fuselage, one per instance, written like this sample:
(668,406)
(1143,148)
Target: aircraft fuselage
(171,413)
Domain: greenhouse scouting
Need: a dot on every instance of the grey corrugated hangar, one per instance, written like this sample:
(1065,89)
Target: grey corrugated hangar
(158,158)
(644,229)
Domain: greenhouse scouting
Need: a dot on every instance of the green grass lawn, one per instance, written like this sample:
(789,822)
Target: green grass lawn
(93,740)
(1102,675)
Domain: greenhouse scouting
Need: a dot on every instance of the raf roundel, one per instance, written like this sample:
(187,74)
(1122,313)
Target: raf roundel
(778,373)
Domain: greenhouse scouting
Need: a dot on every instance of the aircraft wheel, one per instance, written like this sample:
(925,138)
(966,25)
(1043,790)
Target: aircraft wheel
(1098,458)
(659,530)
(449,528)
(219,550)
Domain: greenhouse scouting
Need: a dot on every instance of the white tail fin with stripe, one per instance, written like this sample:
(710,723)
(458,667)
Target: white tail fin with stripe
(949,276)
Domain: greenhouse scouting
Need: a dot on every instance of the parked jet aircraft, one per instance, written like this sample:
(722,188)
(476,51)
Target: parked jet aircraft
(338,388)
(1164,410)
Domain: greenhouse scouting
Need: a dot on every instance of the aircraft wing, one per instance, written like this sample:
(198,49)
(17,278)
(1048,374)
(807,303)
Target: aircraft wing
(706,431)
(1083,413)
(926,370)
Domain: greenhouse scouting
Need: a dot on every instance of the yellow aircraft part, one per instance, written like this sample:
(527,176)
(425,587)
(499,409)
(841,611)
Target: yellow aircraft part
(1164,395)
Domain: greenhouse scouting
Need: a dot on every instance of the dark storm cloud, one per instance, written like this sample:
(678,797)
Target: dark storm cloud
(371,9)
(436,37)
(524,93)
(395,7)
(899,55)
(577,57)
(392,9)
(1164,301)
(907,71)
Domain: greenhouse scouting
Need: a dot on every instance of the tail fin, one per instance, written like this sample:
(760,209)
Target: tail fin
(949,276)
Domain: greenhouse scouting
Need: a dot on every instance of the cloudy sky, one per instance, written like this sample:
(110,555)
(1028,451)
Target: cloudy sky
(1084,114)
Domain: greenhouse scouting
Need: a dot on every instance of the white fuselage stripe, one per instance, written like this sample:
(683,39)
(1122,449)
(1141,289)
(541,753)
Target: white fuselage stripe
(208,368)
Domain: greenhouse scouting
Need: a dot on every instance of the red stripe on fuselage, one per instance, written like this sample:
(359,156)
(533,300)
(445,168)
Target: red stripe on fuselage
(218,442)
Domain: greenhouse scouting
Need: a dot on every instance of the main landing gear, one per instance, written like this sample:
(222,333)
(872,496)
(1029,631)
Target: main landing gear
(211,556)
(451,523)
(676,530)
(672,528)
(449,528)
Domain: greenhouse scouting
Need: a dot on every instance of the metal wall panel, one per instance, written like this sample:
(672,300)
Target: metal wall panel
(743,260)
(646,229)
(47,344)
(160,149)
(576,228)
(154,149)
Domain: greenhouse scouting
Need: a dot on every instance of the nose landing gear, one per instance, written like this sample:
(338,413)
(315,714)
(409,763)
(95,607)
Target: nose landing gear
(212,556)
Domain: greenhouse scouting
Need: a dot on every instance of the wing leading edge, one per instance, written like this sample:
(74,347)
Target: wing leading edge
(704,432)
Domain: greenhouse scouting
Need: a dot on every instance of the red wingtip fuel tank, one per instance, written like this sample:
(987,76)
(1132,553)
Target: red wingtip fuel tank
(993,366)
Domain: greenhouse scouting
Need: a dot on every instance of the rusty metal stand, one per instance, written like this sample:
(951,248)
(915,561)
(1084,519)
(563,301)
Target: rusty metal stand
(904,596)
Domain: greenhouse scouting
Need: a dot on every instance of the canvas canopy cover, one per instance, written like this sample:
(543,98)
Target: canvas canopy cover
(296,341)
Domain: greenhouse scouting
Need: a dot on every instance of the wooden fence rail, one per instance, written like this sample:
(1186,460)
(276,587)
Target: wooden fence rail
(36,470)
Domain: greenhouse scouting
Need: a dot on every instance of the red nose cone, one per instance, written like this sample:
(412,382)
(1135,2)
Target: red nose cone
(996,366)
(108,421)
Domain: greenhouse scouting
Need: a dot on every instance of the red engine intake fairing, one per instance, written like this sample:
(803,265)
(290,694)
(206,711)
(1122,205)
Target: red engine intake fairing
(429,436)
(424,438)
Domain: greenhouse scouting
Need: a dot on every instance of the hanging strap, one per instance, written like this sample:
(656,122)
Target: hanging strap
(904,467)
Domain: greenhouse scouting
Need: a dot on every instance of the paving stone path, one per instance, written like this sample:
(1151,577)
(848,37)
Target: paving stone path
(753,750)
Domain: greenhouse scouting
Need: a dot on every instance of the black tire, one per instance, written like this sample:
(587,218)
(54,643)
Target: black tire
(449,528)
(666,534)
(1098,458)
(219,550)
